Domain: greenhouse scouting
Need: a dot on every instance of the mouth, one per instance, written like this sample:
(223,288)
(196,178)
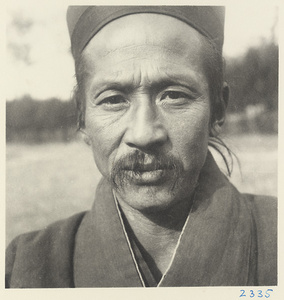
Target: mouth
(147,175)
(146,170)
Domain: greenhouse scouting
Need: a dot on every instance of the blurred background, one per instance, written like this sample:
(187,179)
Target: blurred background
(50,173)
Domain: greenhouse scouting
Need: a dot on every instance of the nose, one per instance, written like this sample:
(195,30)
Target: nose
(145,130)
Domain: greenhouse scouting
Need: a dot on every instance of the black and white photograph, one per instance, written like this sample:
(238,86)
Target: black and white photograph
(142,146)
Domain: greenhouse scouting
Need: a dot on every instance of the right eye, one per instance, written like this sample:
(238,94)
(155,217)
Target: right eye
(113,100)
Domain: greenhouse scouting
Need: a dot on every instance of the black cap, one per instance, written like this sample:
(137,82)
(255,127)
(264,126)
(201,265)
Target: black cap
(85,21)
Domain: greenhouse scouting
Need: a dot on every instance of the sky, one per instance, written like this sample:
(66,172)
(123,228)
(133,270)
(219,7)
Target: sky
(38,59)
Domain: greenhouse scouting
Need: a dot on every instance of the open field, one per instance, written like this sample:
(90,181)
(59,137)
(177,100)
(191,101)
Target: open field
(48,182)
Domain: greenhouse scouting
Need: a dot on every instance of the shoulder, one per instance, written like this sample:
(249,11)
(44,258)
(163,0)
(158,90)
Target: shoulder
(43,258)
(264,203)
(264,211)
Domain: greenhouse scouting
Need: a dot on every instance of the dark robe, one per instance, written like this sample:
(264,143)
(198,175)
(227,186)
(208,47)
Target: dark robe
(228,240)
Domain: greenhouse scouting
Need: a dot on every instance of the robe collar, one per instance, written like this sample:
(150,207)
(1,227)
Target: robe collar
(217,246)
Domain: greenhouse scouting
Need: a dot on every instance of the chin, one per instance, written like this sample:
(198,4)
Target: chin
(151,199)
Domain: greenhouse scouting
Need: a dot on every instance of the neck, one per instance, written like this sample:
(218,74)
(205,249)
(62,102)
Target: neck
(158,222)
(157,232)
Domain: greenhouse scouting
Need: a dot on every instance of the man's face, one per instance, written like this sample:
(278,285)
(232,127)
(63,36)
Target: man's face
(147,108)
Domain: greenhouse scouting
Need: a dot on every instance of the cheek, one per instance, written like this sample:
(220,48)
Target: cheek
(105,136)
(190,136)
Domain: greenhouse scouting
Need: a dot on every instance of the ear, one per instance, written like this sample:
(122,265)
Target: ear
(222,105)
(85,137)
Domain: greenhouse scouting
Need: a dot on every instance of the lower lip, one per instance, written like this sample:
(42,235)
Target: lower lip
(147,177)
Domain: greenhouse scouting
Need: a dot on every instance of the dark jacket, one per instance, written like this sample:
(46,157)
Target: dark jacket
(229,240)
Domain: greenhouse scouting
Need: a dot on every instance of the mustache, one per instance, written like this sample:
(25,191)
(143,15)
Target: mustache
(139,162)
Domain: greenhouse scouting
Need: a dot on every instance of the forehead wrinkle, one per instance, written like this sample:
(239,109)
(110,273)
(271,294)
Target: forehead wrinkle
(186,77)
(134,81)
(142,52)
(172,59)
(162,77)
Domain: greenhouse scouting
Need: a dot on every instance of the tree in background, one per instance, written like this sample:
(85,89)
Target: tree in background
(30,120)
(253,81)
(253,78)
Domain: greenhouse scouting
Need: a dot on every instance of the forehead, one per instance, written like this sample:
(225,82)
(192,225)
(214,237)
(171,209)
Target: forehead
(142,30)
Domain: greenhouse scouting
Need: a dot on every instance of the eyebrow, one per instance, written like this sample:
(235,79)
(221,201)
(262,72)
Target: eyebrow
(157,85)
